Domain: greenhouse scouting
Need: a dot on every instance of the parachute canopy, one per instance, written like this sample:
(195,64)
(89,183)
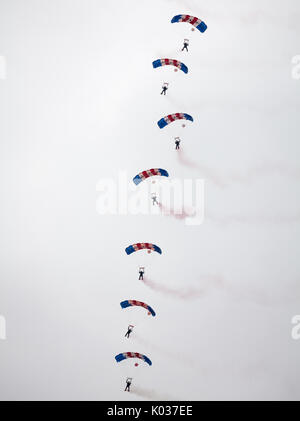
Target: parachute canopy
(129,303)
(198,23)
(170,62)
(149,173)
(125,355)
(139,246)
(163,122)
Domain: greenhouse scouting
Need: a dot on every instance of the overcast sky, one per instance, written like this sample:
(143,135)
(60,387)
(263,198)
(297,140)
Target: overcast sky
(79,102)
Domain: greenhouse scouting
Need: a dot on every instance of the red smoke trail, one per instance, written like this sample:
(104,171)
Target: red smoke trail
(170,354)
(151,394)
(265,169)
(244,292)
(186,293)
(253,219)
(170,212)
(205,171)
(259,170)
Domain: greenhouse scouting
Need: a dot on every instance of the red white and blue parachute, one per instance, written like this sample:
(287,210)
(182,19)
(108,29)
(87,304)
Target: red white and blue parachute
(149,173)
(163,122)
(170,62)
(198,23)
(129,303)
(125,355)
(140,246)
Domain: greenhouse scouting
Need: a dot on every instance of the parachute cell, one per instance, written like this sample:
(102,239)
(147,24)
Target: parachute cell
(140,246)
(125,355)
(149,173)
(198,23)
(170,62)
(163,122)
(129,303)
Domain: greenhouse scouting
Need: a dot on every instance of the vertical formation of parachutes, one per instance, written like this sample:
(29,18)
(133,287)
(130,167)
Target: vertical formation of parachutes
(160,172)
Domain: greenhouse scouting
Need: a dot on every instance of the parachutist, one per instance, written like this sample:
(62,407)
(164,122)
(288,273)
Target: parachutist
(154,199)
(185,45)
(140,246)
(129,303)
(163,122)
(193,20)
(177,142)
(141,273)
(150,173)
(128,384)
(164,88)
(129,330)
(170,62)
(125,355)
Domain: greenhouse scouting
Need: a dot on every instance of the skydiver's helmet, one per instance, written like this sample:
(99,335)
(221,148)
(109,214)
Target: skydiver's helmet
(186,41)
(177,139)
(129,380)
(142,269)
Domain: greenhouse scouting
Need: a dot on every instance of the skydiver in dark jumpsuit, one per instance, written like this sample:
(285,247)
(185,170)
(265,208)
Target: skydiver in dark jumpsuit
(185,45)
(177,143)
(128,383)
(128,332)
(154,200)
(141,277)
(164,90)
